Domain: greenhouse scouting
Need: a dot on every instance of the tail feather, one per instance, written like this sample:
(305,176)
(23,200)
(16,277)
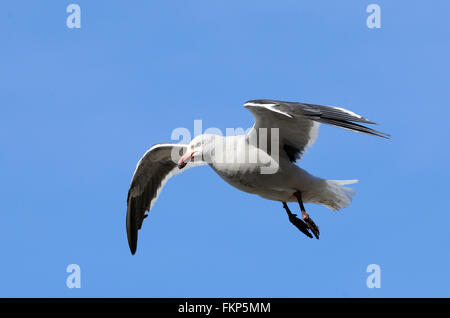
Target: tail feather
(335,196)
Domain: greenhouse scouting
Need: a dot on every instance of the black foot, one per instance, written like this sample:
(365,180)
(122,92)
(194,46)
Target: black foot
(299,224)
(312,226)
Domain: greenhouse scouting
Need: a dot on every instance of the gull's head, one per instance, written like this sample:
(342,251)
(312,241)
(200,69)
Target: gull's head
(195,150)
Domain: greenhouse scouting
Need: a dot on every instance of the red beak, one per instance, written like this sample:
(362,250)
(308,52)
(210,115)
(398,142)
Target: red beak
(185,159)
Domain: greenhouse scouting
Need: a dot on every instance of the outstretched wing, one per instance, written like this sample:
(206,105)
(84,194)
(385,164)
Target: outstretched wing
(298,123)
(152,172)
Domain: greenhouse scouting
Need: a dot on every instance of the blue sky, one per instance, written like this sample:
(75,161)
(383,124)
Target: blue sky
(80,106)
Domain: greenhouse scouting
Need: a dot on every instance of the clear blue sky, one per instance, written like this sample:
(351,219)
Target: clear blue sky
(80,106)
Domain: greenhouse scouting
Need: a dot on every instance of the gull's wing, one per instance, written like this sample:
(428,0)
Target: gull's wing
(152,172)
(298,123)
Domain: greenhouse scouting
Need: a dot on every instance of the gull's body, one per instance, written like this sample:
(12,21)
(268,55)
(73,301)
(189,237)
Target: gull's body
(251,164)
(278,186)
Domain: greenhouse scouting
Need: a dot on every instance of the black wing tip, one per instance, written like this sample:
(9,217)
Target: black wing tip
(353,126)
(387,136)
(132,230)
(381,134)
(373,131)
(132,240)
(377,133)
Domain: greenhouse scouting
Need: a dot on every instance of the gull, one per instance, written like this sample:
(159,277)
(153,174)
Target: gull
(260,162)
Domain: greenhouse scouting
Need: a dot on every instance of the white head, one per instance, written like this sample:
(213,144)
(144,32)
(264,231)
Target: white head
(197,150)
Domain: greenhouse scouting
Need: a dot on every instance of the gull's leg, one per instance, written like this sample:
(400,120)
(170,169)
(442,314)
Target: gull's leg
(312,226)
(302,226)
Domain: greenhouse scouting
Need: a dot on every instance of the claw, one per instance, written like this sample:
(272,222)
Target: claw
(302,226)
(312,226)
(298,223)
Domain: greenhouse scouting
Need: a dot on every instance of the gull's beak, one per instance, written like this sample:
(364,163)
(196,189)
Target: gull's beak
(185,159)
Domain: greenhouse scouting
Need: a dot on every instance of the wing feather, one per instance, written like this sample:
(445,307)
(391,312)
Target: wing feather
(298,122)
(152,172)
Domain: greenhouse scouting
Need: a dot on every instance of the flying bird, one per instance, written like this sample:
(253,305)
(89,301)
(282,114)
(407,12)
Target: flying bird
(260,162)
